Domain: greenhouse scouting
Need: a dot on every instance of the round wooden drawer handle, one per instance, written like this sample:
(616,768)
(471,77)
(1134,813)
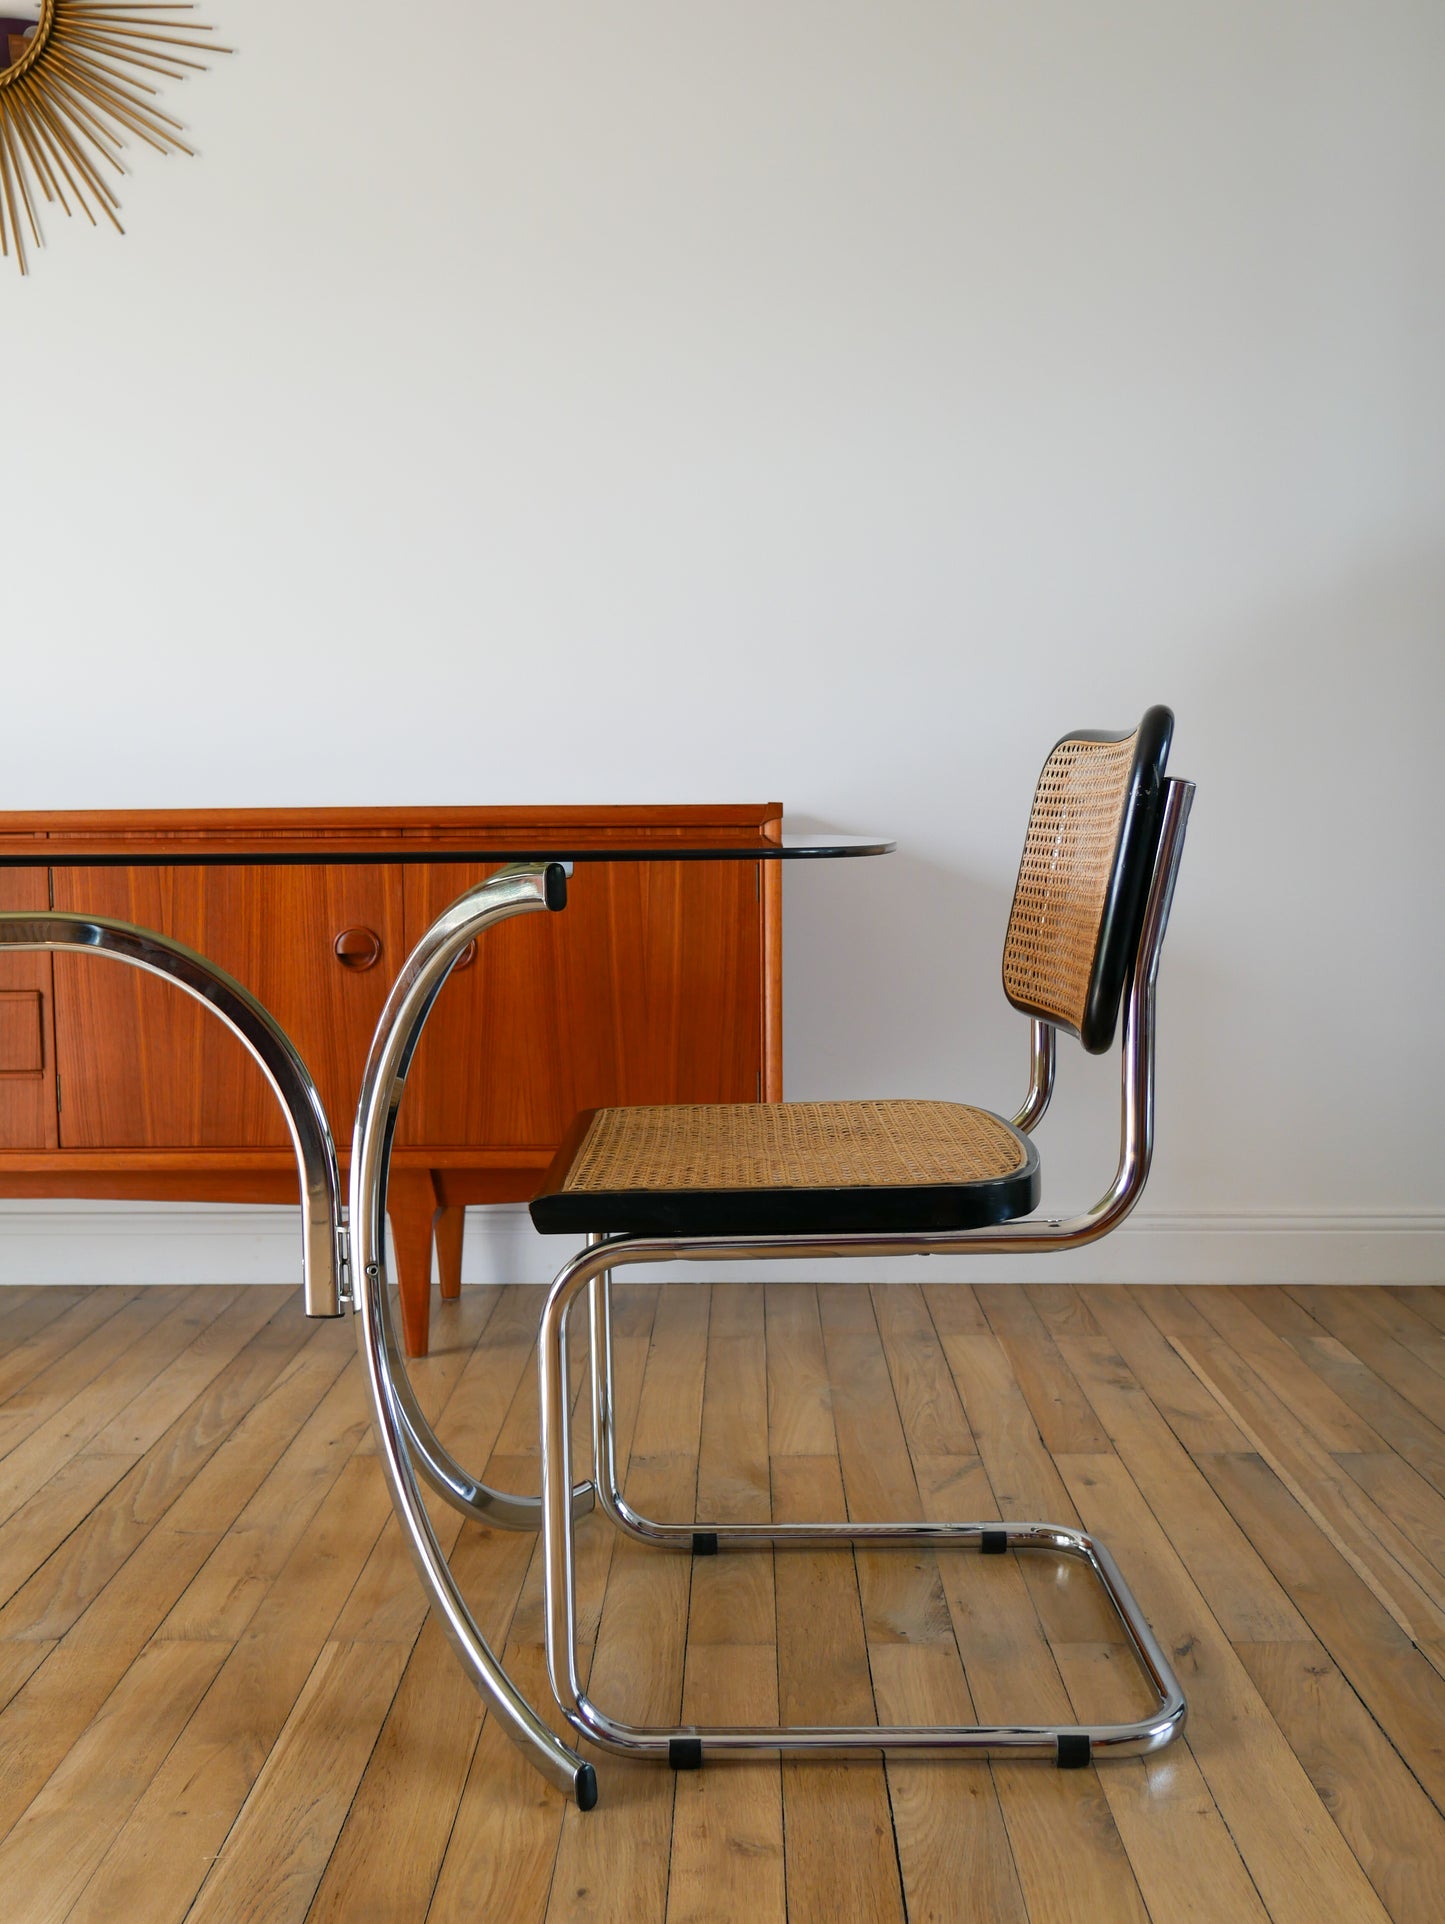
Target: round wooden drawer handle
(358,948)
(467,956)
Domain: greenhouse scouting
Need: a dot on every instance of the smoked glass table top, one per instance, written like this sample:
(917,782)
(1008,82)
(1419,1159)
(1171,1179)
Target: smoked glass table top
(184,852)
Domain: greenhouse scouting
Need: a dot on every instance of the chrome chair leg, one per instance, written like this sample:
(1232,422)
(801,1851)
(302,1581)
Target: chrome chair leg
(607,1490)
(685,1746)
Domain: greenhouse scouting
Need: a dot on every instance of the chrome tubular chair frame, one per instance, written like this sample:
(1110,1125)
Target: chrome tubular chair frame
(409,1448)
(324,1268)
(685,1745)
(705,1538)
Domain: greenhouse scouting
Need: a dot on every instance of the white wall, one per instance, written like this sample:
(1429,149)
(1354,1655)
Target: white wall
(832,402)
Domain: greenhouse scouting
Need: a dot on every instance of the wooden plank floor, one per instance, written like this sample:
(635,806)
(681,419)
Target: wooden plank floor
(220,1698)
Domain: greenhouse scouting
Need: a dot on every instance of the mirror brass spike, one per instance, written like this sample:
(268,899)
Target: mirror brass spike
(73,97)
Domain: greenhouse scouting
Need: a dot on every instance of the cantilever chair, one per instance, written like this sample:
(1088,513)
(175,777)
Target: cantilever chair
(858,1179)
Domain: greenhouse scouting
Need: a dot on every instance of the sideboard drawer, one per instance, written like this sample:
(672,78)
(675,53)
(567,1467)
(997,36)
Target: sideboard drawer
(27,1038)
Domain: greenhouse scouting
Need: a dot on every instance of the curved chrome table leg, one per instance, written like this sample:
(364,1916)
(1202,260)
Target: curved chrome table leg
(323,1264)
(406,1441)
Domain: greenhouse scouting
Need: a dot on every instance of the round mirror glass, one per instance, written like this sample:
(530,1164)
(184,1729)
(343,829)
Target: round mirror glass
(18,25)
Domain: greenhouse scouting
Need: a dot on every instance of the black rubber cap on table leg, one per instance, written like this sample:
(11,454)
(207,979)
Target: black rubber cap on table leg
(704,1543)
(1075,1751)
(685,1753)
(554,894)
(992,1543)
(584,1787)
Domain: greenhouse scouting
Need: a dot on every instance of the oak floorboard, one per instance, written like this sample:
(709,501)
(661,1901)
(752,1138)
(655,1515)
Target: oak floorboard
(1070,1859)
(207,1782)
(1427,1301)
(613,1863)
(213,1768)
(27,1311)
(502,1850)
(41,1365)
(1297,1859)
(1403,1319)
(1397,1421)
(221,1696)
(1245,1366)
(925,1392)
(74,1574)
(278,1846)
(841,1858)
(800,1412)
(1239,1587)
(1062,1309)
(51,1851)
(887,1391)
(102,1460)
(1179,1847)
(1026,1485)
(1404,1690)
(1286,1434)
(1058,1406)
(1392,1826)
(727,1850)
(43,1441)
(1186,1405)
(79,1671)
(1411,1368)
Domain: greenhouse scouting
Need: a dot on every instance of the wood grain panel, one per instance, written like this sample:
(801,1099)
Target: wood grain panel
(143,1066)
(27,1096)
(249,1548)
(648,987)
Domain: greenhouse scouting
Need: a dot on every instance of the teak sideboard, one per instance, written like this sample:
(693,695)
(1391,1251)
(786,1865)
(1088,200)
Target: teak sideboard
(660,983)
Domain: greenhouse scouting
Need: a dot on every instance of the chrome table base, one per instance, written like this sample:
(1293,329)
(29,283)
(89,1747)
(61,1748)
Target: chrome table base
(408,1447)
(339,1273)
(344,1266)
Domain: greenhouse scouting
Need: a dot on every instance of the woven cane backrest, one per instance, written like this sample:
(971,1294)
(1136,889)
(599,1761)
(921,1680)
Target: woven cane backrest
(1074,925)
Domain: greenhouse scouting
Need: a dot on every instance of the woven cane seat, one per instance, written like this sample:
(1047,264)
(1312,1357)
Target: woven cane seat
(747,1168)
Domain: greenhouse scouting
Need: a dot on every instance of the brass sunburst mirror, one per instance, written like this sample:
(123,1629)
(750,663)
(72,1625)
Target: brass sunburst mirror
(77,78)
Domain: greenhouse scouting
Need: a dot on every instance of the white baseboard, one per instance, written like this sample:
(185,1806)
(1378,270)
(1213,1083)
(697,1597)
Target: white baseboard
(86,1243)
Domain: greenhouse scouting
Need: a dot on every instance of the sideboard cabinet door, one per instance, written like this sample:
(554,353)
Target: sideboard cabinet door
(142,1066)
(647,988)
(27,1027)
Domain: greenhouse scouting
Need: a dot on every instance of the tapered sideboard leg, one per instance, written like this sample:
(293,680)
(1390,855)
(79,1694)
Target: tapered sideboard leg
(448,1230)
(411,1204)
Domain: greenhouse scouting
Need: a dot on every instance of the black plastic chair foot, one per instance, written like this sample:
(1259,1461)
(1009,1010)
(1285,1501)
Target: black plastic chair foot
(584,1787)
(704,1543)
(684,1753)
(992,1543)
(1074,1750)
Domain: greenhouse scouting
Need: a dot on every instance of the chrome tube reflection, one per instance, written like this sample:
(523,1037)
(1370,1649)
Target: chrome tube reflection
(408,1446)
(1043,1051)
(324,1276)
